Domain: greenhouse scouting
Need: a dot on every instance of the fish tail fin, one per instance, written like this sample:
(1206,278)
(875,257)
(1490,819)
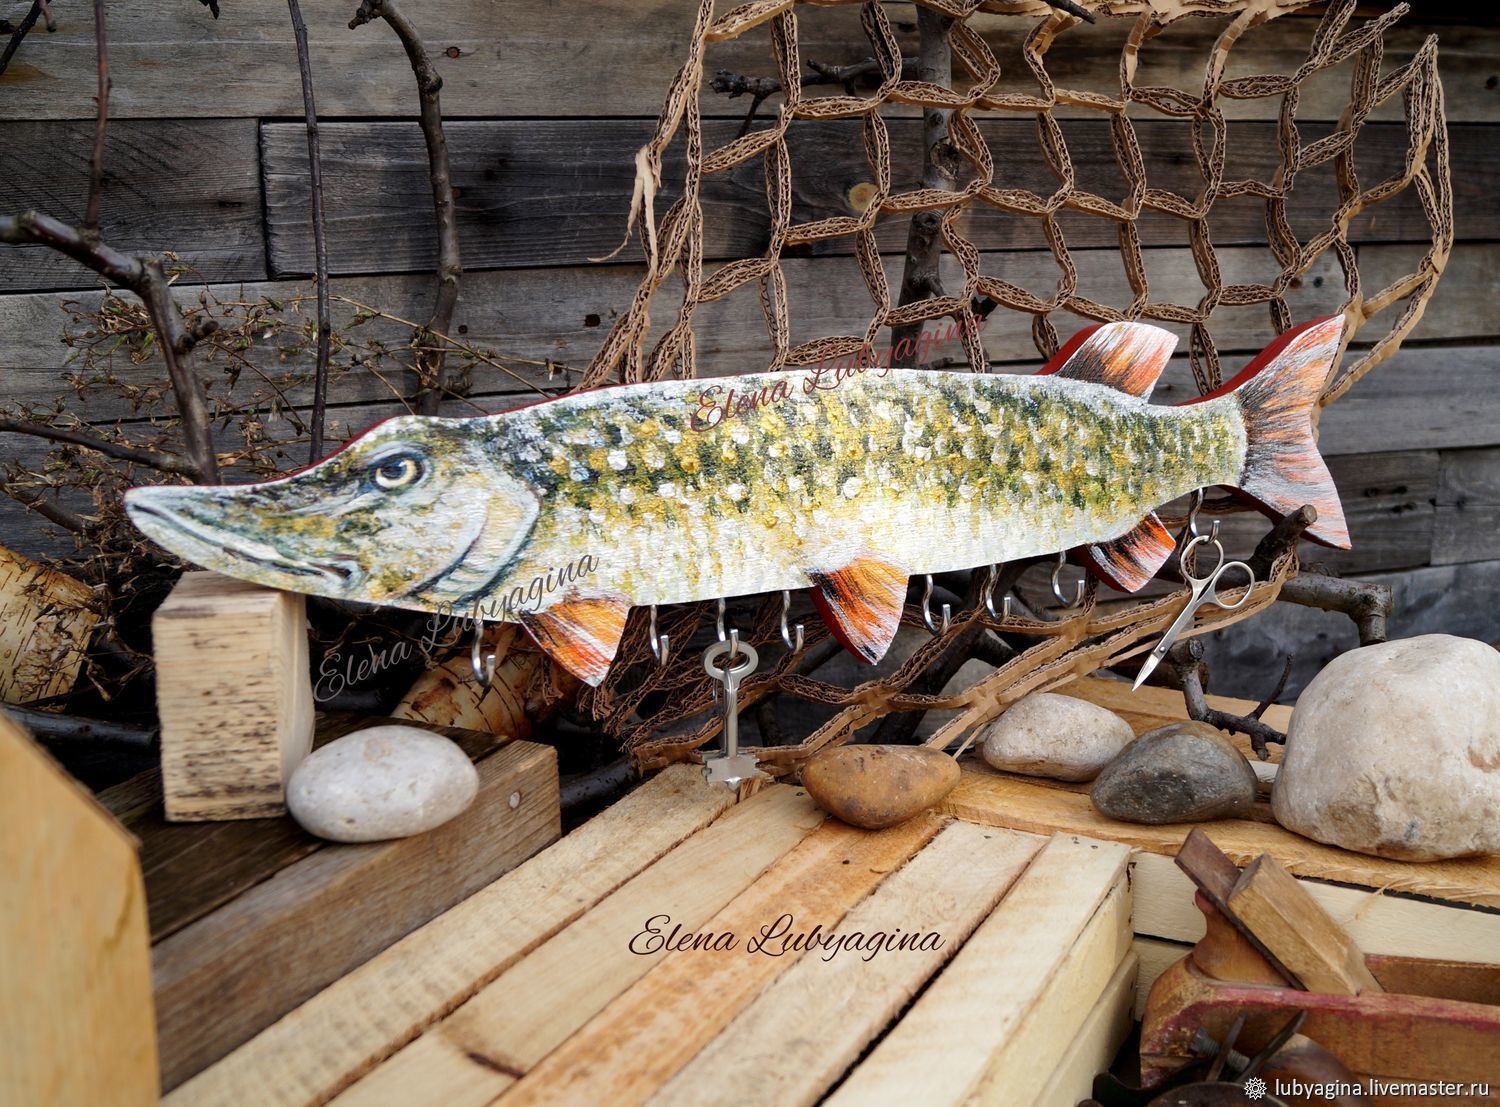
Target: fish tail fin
(1278,396)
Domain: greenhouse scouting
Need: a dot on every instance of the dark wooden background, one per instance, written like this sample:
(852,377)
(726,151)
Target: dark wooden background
(546,104)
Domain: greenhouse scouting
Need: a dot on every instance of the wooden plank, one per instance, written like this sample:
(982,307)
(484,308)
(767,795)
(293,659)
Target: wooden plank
(75,970)
(646,1034)
(1149,707)
(1380,921)
(995,800)
(244,64)
(1071,905)
(1094,1048)
(233,973)
(1155,957)
(233,694)
(813,1021)
(531,1008)
(1468,506)
(557,192)
(364,1017)
(191,186)
(1281,914)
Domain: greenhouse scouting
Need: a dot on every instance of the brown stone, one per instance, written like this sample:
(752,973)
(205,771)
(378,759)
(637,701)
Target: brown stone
(879,786)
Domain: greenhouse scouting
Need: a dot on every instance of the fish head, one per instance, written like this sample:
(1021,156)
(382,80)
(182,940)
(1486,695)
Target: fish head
(417,512)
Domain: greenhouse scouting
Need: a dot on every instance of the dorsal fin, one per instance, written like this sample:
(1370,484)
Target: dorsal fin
(861,603)
(1126,356)
(582,634)
(1128,562)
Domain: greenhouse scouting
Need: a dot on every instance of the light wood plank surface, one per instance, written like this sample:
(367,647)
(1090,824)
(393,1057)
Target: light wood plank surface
(343,1031)
(1096,1043)
(1020,805)
(811,1023)
(1378,921)
(1155,957)
(940,1050)
(525,1013)
(646,1034)
(75,966)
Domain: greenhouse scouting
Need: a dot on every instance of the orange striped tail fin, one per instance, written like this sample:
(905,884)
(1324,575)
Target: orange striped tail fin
(1278,394)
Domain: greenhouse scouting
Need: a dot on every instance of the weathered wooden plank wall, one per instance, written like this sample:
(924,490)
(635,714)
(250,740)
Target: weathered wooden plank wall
(546,105)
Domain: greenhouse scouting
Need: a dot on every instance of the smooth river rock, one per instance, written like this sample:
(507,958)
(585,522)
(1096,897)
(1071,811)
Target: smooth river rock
(381,782)
(1179,773)
(879,786)
(1394,750)
(1061,737)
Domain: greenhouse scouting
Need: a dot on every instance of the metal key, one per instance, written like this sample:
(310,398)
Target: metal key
(730,767)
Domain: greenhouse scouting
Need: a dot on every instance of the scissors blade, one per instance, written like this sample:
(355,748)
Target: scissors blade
(1178,625)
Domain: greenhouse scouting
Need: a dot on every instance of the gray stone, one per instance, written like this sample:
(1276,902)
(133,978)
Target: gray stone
(1179,773)
(1061,737)
(381,782)
(1394,750)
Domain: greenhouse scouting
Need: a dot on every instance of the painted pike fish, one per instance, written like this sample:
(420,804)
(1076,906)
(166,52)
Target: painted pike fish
(846,483)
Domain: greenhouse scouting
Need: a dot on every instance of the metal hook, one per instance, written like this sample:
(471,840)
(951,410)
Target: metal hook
(987,594)
(786,636)
(661,644)
(719,619)
(927,610)
(484,667)
(1192,523)
(1062,559)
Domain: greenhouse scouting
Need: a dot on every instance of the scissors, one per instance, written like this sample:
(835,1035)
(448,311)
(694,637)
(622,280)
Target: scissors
(1205,590)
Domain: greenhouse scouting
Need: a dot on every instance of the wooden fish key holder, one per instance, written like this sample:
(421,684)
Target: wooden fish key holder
(1271,951)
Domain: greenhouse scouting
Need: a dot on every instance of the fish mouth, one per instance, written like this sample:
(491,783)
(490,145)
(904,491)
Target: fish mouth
(340,573)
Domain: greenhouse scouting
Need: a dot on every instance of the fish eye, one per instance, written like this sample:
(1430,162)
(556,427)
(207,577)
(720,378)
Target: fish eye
(398,472)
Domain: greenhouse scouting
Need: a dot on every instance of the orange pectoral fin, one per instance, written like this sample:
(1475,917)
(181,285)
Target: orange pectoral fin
(1126,563)
(582,634)
(861,603)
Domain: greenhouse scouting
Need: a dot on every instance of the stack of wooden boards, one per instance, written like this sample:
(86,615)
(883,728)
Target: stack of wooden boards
(549,985)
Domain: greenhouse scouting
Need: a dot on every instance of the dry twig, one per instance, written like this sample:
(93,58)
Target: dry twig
(21,31)
(320,238)
(1192,675)
(96,163)
(167,463)
(450,269)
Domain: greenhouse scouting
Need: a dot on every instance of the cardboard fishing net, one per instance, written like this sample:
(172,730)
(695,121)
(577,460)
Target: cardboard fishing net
(652,708)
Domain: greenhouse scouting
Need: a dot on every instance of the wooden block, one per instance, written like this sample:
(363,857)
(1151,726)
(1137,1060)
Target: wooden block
(815,1019)
(364,1017)
(234,694)
(1094,1048)
(75,970)
(234,972)
(649,1032)
(530,1009)
(1065,920)
(45,624)
(1270,902)
(1009,801)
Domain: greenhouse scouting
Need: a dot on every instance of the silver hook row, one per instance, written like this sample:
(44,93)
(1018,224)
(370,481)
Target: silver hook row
(927,618)
(1062,559)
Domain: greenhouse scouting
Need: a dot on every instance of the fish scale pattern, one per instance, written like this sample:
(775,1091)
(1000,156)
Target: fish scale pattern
(673,246)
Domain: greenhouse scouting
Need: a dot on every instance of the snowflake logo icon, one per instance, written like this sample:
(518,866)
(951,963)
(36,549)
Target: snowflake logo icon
(1255,1088)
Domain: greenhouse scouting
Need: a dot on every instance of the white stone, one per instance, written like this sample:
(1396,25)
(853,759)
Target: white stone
(1394,750)
(1061,737)
(381,782)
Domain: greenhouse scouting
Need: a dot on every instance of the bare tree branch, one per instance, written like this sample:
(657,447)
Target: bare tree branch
(46,509)
(167,463)
(450,268)
(1187,658)
(320,238)
(1367,603)
(21,31)
(96,163)
(145,278)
